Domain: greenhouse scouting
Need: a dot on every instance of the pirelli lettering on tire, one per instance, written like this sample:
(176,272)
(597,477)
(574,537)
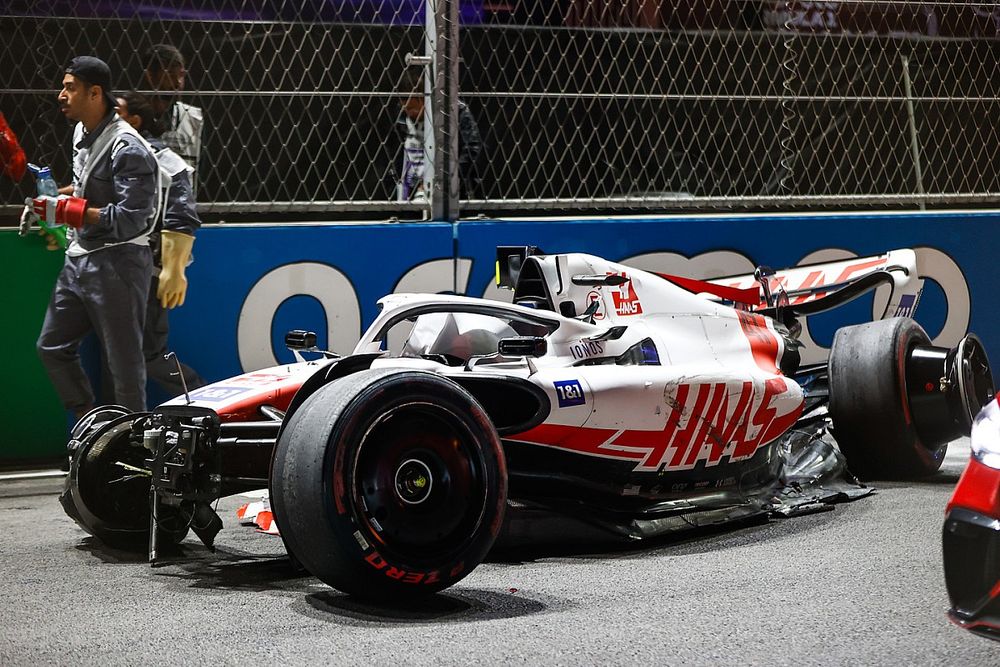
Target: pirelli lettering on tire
(415,577)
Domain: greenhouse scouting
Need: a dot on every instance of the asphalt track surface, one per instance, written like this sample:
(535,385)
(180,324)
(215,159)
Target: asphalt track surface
(861,585)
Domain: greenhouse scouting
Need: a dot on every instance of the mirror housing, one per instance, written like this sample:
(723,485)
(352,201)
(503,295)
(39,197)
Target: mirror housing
(523,346)
(298,339)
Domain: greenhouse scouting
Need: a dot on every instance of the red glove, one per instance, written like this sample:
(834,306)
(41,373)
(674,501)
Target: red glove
(12,159)
(61,210)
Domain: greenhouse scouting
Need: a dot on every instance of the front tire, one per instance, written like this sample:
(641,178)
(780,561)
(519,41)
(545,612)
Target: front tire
(870,404)
(389,484)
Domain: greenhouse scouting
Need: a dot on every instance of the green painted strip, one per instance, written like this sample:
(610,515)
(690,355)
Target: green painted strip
(32,422)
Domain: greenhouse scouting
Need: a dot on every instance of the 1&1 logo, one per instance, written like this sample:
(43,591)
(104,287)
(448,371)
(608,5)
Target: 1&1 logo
(569,393)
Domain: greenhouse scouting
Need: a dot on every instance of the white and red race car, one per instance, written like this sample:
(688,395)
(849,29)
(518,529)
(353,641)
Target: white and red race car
(604,402)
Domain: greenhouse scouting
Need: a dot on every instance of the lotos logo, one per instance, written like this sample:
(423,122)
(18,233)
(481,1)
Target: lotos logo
(625,298)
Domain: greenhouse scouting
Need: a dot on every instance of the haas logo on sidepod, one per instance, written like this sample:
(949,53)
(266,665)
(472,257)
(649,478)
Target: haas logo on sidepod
(709,423)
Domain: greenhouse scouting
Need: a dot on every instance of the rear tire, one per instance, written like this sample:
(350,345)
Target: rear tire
(870,405)
(389,484)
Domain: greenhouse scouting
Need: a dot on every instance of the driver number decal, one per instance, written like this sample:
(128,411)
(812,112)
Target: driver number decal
(569,393)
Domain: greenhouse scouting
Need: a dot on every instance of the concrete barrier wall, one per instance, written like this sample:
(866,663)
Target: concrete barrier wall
(250,284)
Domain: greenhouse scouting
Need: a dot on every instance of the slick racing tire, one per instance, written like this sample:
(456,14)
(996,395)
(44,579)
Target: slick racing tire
(389,485)
(870,404)
(105,492)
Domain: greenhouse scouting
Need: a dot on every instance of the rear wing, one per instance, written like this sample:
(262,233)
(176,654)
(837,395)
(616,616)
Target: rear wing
(814,288)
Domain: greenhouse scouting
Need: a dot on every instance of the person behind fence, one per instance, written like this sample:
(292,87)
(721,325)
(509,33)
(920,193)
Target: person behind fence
(410,125)
(171,243)
(109,211)
(166,73)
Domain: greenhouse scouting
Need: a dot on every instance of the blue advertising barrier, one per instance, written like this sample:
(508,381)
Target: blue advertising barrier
(252,283)
(954,254)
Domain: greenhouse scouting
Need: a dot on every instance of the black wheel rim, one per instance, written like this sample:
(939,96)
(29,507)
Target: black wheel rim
(975,380)
(95,417)
(419,483)
(116,496)
(112,487)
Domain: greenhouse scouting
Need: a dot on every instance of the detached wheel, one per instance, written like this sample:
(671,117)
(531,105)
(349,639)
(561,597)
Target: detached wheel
(389,484)
(106,492)
(870,404)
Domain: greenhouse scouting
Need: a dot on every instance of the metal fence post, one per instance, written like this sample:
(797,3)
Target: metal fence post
(441,104)
(912,122)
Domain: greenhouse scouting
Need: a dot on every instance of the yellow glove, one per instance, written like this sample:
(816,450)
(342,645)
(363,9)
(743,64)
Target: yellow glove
(175,250)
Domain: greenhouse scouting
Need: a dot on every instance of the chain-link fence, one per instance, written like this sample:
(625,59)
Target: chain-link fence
(564,104)
(712,103)
(301,101)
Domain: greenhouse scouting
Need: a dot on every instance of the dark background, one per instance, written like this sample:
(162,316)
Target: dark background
(640,99)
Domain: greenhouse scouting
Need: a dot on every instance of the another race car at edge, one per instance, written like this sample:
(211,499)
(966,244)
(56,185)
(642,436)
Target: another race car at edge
(972,532)
(604,403)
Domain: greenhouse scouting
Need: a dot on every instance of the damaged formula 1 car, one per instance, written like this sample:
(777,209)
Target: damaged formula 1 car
(615,402)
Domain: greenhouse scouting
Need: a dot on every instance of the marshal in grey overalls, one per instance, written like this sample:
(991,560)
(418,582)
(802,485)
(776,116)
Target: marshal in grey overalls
(104,281)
